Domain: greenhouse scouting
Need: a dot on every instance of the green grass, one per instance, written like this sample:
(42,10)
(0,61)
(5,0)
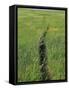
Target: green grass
(31,26)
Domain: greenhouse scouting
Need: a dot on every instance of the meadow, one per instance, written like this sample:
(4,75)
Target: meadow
(31,25)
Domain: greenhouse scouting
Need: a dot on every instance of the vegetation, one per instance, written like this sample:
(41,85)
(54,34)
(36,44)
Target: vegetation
(31,26)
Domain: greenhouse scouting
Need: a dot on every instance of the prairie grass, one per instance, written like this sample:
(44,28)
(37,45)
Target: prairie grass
(31,25)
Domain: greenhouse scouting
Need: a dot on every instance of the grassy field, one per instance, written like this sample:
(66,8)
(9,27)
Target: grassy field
(31,25)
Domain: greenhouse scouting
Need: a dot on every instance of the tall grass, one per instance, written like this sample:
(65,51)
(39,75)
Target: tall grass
(31,25)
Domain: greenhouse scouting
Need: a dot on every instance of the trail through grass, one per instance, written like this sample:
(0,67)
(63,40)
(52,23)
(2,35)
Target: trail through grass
(31,25)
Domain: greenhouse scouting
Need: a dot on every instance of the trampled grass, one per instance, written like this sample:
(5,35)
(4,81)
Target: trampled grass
(31,25)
